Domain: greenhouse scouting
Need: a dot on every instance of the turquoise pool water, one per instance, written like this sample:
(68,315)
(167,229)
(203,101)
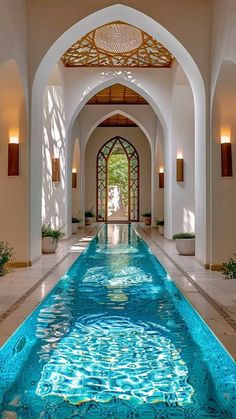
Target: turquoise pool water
(116,339)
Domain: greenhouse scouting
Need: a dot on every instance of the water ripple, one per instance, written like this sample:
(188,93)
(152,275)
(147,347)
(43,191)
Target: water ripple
(105,357)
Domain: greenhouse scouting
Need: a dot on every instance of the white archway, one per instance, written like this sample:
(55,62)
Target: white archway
(97,83)
(147,24)
(142,123)
(120,112)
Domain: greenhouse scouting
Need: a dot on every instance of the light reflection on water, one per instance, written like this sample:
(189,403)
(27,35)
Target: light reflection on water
(109,342)
(105,357)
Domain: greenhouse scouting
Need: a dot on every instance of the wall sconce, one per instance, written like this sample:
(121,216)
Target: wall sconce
(161,177)
(56,175)
(13,156)
(179,168)
(226,157)
(74,178)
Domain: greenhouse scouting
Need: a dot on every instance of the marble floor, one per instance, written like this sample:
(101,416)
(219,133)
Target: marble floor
(22,289)
(212,296)
(209,292)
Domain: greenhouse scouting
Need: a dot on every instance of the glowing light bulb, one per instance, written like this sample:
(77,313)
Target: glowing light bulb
(14,140)
(225,139)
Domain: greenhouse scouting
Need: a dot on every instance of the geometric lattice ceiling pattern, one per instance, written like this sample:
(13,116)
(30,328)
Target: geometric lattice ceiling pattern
(117,44)
(117,94)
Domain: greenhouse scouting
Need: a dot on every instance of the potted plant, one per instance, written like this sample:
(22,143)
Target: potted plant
(185,243)
(160,224)
(50,239)
(229,268)
(76,219)
(100,217)
(89,214)
(5,257)
(147,218)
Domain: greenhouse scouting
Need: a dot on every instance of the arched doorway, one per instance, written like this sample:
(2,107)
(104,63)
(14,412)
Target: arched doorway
(184,58)
(117,144)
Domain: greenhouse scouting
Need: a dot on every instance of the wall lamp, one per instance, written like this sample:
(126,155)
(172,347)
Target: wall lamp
(56,175)
(74,178)
(161,177)
(179,168)
(13,156)
(226,157)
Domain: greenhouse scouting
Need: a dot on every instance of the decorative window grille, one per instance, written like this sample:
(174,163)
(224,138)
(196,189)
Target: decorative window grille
(133,178)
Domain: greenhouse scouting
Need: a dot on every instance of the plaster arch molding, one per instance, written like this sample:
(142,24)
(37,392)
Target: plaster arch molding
(98,119)
(100,81)
(149,25)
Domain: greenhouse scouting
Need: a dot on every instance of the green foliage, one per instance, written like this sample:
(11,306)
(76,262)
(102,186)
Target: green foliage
(6,253)
(76,217)
(146,214)
(89,213)
(47,231)
(118,174)
(184,236)
(229,268)
(160,222)
(75,220)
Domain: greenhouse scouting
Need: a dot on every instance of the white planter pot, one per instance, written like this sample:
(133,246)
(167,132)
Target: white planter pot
(185,246)
(74,228)
(161,230)
(49,245)
(88,221)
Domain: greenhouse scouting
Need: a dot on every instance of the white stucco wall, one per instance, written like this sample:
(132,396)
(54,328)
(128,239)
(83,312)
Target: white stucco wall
(182,143)
(224,188)
(82,83)
(54,203)
(223,94)
(14,209)
(13,190)
(13,38)
(92,115)
(188,14)
(223,38)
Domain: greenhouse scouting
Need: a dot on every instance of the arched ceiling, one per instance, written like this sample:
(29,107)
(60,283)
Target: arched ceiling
(117,44)
(117,94)
(117,120)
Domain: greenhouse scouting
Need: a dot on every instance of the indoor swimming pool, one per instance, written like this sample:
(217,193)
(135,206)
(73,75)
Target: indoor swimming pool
(116,339)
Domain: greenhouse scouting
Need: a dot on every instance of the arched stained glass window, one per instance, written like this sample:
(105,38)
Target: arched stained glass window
(117,143)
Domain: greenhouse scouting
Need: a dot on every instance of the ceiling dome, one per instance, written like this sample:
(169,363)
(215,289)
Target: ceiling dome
(117,44)
(118,38)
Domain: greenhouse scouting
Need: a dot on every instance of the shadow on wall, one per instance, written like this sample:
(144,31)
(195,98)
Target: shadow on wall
(54,193)
(110,77)
(188,221)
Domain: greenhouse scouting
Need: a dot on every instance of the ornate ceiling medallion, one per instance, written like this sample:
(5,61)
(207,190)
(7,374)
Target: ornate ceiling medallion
(118,38)
(117,45)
